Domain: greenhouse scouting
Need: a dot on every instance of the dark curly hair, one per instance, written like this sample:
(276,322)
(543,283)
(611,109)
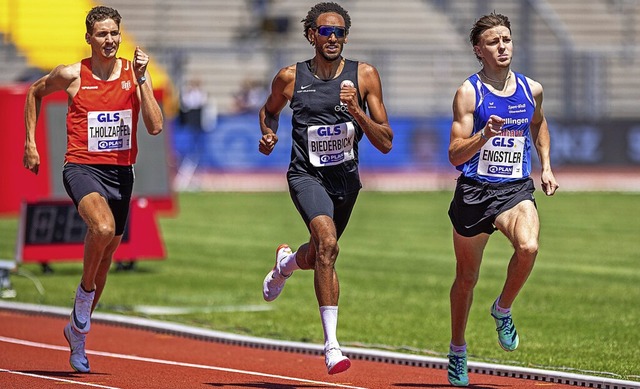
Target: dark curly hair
(323,8)
(99,14)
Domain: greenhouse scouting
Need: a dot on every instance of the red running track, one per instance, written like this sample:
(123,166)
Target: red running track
(34,354)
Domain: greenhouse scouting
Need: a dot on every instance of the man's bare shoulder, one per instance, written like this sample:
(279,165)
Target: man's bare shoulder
(287,74)
(465,98)
(66,72)
(466,90)
(536,87)
(367,70)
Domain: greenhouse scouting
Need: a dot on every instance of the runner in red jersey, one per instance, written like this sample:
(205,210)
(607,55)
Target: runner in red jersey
(102,118)
(106,96)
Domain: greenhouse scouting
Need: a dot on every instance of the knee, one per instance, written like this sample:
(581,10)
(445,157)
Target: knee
(466,280)
(103,230)
(328,251)
(527,249)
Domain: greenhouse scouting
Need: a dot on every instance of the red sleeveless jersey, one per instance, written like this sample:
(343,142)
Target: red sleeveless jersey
(102,119)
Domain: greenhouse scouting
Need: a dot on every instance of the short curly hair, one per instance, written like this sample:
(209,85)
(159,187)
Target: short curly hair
(99,14)
(322,8)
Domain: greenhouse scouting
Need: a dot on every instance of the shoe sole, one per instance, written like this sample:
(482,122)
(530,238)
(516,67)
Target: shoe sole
(461,384)
(341,366)
(66,336)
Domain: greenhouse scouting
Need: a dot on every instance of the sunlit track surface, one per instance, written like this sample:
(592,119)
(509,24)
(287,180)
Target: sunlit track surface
(127,352)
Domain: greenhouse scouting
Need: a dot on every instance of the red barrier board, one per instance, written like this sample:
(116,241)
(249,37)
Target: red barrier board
(52,231)
(19,185)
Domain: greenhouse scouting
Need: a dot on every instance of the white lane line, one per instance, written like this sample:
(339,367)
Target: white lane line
(45,377)
(174,363)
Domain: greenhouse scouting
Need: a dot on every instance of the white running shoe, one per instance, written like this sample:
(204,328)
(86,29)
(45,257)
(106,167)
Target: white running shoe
(336,362)
(274,281)
(78,359)
(81,314)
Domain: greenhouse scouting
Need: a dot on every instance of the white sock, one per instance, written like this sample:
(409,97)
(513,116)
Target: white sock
(289,264)
(329,316)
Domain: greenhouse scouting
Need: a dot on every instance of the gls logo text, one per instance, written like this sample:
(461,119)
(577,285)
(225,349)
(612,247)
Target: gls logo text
(328,131)
(503,142)
(109,117)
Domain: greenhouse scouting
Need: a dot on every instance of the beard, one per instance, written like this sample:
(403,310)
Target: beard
(330,57)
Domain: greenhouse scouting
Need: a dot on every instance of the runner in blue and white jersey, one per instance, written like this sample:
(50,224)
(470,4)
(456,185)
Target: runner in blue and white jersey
(497,117)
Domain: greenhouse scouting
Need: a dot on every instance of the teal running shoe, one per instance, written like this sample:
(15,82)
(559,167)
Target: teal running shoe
(458,374)
(507,335)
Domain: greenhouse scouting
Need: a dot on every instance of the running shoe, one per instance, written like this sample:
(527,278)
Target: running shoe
(78,359)
(274,281)
(81,314)
(336,362)
(458,374)
(507,335)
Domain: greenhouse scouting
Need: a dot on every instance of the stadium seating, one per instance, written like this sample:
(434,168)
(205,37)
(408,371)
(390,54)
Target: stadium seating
(582,51)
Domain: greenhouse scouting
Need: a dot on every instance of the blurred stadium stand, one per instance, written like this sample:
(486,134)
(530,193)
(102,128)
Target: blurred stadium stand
(584,52)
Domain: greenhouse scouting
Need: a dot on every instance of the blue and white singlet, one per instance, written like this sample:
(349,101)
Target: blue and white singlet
(506,157)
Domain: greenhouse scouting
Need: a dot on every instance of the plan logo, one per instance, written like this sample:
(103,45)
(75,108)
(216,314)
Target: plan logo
(331,158)
(501,170)
(110,144)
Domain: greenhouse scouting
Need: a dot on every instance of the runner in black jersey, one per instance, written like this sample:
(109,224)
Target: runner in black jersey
(497,117)
(329,96)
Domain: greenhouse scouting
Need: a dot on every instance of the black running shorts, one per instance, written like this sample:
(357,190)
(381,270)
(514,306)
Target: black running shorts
(312,199)
(476,205)
(114,183)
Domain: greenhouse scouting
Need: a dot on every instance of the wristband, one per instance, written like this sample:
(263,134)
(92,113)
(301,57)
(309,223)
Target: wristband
(142,80)
(482,135)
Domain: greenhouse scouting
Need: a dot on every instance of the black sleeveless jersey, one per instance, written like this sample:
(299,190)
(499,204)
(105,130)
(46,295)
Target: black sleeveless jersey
(324,135)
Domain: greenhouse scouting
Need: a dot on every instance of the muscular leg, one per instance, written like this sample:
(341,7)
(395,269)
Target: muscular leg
(468,259)
(103,268)
(324,237)
(95,211)
(521,226)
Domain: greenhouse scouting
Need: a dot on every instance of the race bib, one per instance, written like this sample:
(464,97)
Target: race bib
(331,144)
(109,130)
(502,157)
